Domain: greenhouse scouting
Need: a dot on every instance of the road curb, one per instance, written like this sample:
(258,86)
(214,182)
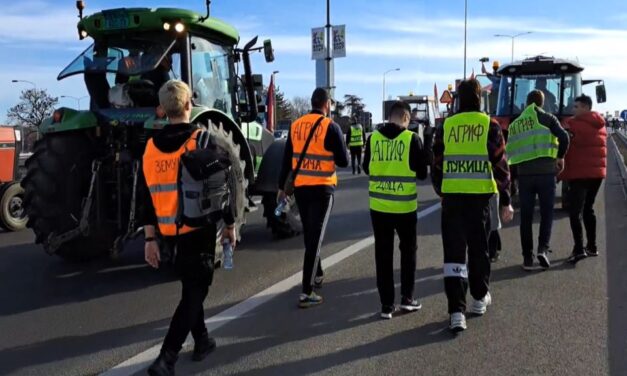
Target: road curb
(620,161)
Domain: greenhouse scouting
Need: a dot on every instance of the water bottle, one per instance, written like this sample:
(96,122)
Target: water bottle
(281,207)
(227,250)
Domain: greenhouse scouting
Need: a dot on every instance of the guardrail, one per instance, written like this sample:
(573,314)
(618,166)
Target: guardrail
(620,161)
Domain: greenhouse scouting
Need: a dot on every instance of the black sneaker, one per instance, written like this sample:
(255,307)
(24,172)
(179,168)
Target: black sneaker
(592,251)
(318,281)
(576,256)
(306,301)
(410,305)
(164,364)
(203,347)
(543,259)
(387,312)
(528,263)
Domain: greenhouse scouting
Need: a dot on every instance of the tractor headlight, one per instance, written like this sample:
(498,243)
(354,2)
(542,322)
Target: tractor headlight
(84,34)
(166,26)
(179,27)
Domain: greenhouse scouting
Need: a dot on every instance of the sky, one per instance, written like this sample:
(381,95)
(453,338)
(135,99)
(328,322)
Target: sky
(425,39)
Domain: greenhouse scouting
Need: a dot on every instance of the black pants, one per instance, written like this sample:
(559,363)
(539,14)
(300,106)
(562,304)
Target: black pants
(314,204)
(544,187)
(465,229)
(581,196)
(195,253)
(384,225)
(494,243)
(356,156)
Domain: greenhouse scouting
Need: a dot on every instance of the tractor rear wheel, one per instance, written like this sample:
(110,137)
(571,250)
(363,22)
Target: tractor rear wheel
(56,185)
(12,215)
(285,226)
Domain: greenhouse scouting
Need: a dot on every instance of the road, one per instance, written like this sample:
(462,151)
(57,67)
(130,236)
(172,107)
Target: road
(82,319)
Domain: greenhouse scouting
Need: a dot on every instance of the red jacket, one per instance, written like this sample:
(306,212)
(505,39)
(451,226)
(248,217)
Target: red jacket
(587,155)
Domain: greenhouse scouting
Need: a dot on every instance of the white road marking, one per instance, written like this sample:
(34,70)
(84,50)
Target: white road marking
(143,359)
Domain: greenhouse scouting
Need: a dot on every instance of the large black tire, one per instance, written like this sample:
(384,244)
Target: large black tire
(12,215)
(56,184)
(285,226)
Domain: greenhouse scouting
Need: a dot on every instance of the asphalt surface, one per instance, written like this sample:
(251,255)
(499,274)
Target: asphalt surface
(81,319)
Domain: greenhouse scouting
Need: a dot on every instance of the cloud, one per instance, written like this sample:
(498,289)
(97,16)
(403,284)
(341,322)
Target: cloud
(52,26)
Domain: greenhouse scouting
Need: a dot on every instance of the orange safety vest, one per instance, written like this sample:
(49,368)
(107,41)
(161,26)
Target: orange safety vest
(318,167)
(161,171)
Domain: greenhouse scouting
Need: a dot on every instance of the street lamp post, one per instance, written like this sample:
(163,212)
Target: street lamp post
(274,106)
(513,37)
(465,34)
(77,99)
(25,81)
(383,101)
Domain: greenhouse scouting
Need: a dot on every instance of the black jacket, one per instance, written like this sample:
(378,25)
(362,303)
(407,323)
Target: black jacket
(419,156)
(333,142)
(168,140)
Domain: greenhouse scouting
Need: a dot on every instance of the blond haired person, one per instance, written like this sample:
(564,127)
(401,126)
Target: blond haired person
(195,247)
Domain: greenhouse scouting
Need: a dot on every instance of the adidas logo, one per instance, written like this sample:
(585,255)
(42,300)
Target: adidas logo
(457,270)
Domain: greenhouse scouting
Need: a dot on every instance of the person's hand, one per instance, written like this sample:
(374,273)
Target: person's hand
(559,165)
(151,254)
(507,213)
(280,196)
(228,233)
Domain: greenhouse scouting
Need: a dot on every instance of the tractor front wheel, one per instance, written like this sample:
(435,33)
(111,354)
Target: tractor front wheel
(12,215)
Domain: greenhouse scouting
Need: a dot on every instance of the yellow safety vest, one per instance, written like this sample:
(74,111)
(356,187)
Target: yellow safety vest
(392,187)
(529,140)
(357,136)
(467,167)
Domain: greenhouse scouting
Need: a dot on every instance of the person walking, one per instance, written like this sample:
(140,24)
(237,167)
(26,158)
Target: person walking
(586,162)
(536,145)
(195,246)
(469,167)
(355,139)
(394,205)
(317,142)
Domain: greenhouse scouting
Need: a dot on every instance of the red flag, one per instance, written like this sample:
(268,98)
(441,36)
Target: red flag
(436,97)
(270,106)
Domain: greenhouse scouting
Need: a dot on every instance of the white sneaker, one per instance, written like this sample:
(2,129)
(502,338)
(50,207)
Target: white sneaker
(457,322)
(478,307)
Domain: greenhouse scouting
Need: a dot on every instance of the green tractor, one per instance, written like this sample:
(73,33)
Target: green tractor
(81,186)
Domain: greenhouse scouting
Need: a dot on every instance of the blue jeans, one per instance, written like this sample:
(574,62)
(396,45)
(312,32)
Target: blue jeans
(544,187)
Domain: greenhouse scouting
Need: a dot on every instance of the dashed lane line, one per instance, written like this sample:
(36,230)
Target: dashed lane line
(143,359)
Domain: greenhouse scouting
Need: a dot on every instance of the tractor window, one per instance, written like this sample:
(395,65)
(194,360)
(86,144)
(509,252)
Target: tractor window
(211,75)
(123,56)
(572,89)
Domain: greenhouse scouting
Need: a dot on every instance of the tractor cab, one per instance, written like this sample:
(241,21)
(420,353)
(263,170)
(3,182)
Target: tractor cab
(560,81)
(423,112)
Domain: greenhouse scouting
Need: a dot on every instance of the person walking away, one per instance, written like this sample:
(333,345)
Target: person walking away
(586,162)
(195,247)
(394,205)
(355,139)
(536,145)
(314,184)
(469,168)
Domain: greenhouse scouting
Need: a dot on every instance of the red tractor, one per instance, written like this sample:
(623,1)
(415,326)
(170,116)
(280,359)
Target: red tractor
(12,215)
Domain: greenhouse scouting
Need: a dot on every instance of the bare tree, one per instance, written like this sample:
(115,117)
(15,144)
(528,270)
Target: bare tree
(35,105)
(300,106)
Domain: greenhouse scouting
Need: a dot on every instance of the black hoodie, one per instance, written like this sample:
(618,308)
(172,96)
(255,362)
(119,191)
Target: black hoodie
(168,140)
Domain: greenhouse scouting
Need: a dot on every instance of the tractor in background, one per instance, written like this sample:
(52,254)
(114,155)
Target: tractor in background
(12,215)
(82,181)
